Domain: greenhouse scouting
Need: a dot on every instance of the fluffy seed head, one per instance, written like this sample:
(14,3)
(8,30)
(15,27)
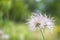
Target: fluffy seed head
(40,21)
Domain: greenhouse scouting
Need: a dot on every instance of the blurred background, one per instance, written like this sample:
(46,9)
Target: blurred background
(14,13)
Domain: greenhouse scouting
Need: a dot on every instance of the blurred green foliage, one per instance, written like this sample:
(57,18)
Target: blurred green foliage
(19,10)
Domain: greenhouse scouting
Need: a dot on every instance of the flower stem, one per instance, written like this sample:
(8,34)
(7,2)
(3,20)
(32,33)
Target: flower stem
(42,34)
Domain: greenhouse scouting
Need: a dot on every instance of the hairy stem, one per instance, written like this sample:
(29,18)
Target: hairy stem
(42,34)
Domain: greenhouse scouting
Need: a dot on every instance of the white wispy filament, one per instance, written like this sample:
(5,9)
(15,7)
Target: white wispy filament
(40,21)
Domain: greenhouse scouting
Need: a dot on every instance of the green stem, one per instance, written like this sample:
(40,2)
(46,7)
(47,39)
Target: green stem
(42,34)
